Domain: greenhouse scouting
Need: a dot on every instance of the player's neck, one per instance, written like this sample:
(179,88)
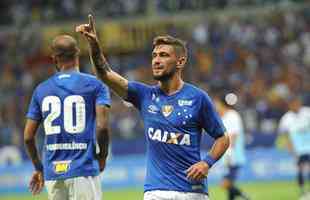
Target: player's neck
(69,66)
(171,86)
(223,111)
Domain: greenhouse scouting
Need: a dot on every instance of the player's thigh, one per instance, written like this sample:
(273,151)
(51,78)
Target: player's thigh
(232,174)
(84,188)
(56,190)
(303,162)
(158,195)
(190,196)
(173,195)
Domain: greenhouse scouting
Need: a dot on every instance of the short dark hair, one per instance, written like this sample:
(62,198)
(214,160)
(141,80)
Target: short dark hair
(296,97)
(65,48)
(178,44)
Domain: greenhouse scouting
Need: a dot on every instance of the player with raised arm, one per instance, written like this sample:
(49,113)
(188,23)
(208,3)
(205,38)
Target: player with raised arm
(174,114)
(295,126)
(234,158)
(73,108)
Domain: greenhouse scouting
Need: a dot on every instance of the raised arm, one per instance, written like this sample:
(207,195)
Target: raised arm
(100,64)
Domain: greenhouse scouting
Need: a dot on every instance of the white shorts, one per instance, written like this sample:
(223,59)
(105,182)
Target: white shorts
(173,195)
(77,188)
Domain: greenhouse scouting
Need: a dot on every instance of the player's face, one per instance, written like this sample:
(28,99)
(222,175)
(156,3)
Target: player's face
(295,105)
(164,60)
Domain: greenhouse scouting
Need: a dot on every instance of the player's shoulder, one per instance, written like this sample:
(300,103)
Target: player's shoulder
(305,110)
(86,76)
(193,89)
(232,113)
(195,92)
(44,84)
(89,78)
(287,117)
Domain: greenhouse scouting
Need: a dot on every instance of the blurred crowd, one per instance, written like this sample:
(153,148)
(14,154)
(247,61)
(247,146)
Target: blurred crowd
(264,59)
(20,12)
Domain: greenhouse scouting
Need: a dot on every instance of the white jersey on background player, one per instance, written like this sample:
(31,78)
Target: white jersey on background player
(297,125)
(234,157)
(235,154)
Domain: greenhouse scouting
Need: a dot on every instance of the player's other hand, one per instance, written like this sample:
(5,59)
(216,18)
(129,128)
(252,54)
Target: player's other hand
(88,30)
(36,183)
(101,164)
(198,171)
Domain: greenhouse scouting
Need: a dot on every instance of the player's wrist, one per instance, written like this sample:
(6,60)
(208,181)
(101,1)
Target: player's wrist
(38,167)
(94,41)
(209,160)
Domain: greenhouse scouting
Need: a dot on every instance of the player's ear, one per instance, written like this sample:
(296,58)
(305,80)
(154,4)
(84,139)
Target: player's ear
(54,59)
(78,51)
(181,61)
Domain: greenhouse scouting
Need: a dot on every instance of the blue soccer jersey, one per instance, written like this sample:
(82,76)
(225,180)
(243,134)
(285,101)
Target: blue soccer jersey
(173,126)
(66,105)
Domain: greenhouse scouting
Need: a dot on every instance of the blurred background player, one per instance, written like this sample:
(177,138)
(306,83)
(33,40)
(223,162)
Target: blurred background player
(234,157)
(295,124)
(174,113)
(73,107)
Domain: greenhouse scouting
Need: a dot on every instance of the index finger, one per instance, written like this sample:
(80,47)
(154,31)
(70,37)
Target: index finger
(91,22)
(189,169)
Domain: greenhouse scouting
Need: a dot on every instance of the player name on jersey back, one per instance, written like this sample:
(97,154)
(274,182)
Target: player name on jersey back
(66,146)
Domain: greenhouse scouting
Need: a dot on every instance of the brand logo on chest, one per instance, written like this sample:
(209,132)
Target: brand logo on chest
(183,102)
(153,109)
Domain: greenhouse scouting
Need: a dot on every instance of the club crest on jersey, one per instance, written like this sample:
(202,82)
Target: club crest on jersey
(61,167)
(167,110)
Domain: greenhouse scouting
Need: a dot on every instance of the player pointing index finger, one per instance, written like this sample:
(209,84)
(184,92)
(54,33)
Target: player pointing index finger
(174,114)
(91,23)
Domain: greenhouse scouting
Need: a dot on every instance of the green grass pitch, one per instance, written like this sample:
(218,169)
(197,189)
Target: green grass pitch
(257,191)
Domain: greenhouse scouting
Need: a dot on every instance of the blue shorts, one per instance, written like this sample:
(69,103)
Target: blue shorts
(232,173)
(303,159)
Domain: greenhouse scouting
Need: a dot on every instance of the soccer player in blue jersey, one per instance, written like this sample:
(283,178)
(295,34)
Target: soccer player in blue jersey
(234,158)
(174,114)
(73,108)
